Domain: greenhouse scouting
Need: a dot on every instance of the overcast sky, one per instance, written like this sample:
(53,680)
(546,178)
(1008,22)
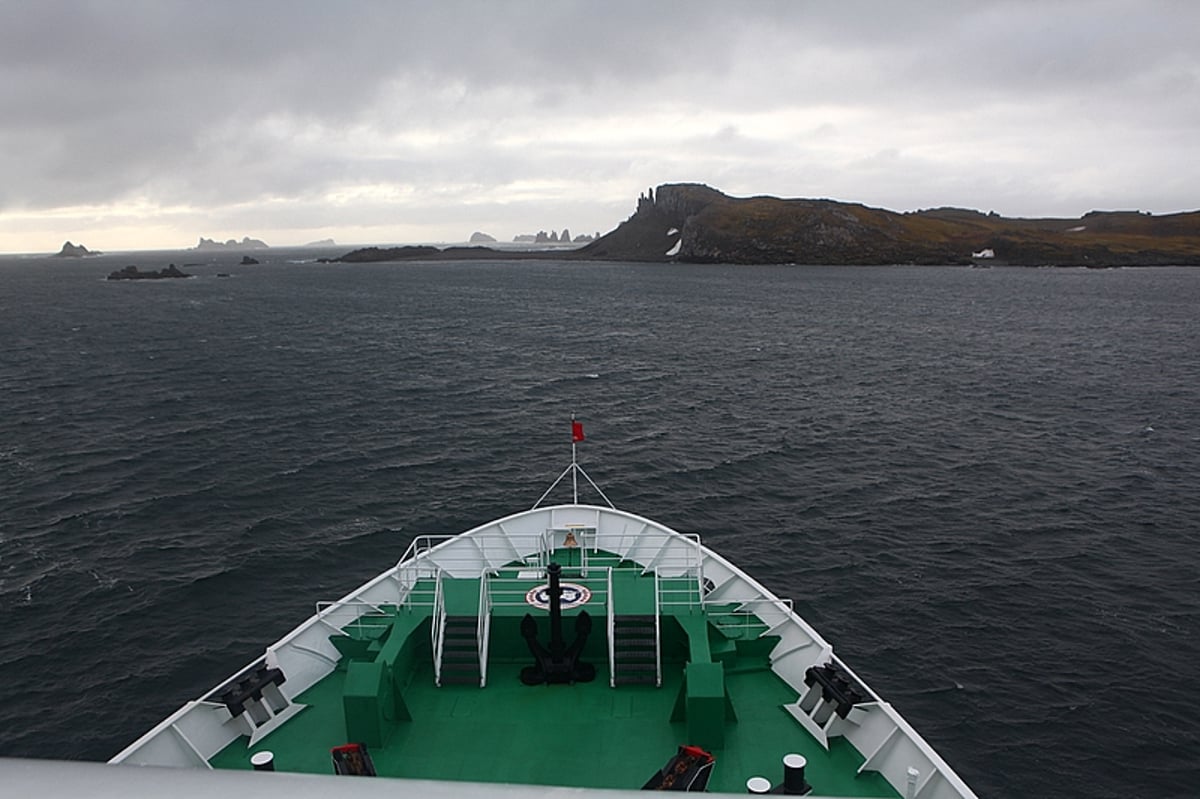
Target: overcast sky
(134,125)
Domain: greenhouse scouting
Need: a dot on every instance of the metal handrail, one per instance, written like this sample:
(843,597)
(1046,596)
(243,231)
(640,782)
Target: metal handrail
(612,631)
(323,606)
(360,607)
(509,575)
(437,630)
(657,636)
(422,544)
(745,610)
(584,532)
(427,554)
(483,627)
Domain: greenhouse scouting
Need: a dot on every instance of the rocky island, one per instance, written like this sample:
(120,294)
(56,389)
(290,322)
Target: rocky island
(415,252)
(542,237)
(246,243)
(133,273)
(694,223)
(70,250)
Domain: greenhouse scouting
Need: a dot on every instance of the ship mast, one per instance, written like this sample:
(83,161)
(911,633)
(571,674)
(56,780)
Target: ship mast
(576,436)
(575,470)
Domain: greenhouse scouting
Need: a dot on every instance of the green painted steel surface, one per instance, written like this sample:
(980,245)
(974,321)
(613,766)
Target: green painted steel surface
(583,735)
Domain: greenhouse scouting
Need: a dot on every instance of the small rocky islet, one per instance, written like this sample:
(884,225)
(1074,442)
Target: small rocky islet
(133,273)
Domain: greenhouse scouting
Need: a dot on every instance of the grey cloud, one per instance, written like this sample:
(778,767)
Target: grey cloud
(222,104)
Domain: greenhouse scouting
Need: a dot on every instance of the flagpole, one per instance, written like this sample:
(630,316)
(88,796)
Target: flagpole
(574,467)
(576,470)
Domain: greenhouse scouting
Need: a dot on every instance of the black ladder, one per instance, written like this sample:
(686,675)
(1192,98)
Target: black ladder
(635,650)
(460,650)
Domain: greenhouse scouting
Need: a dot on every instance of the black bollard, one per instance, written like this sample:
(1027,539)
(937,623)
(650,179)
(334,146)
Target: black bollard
(793,775)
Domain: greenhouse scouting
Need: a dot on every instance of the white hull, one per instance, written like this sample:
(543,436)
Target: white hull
(202,728)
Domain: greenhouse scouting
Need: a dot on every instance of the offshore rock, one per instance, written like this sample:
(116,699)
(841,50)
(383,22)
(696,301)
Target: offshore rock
(133,273)
(246,243)
(70,250)
(428,253)
(371,254)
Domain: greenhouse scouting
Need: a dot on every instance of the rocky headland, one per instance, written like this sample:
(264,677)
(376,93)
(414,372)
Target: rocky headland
(697,224)
(694,223)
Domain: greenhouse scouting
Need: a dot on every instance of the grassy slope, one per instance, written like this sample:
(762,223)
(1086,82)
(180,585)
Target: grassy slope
(768,229)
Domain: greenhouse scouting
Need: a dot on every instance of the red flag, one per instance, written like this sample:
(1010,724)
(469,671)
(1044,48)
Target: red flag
(576,431)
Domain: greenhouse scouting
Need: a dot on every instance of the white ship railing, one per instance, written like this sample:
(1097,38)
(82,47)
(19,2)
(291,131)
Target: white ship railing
(422,597)
(510,585)
(657,635)
(679,563)
(483,629)
(421,545)
(748,615)
(610,626)
(555,538)
(344,615)
(437,630)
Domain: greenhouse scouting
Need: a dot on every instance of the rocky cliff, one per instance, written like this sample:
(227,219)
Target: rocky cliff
(698,224)
(693,223)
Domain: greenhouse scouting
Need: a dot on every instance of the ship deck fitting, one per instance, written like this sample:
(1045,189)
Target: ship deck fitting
(484,724)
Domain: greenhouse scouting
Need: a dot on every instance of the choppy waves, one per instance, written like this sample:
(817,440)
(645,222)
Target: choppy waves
(979,484)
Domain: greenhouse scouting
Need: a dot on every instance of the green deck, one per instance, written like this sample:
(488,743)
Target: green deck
(583,735)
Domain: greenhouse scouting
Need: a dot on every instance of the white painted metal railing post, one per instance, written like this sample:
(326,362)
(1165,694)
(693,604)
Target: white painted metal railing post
(913,775)
(437,629)
(612,650)
(657,635)
(483,625)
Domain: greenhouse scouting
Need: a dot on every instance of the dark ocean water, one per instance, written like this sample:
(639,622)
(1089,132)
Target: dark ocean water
(981,485)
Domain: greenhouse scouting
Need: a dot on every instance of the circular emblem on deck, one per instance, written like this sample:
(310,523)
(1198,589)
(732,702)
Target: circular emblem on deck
(573,595)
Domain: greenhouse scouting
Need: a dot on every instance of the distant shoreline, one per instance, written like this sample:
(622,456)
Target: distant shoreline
(692,223)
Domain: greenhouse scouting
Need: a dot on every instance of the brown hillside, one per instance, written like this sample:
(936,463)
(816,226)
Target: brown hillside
(712,227)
